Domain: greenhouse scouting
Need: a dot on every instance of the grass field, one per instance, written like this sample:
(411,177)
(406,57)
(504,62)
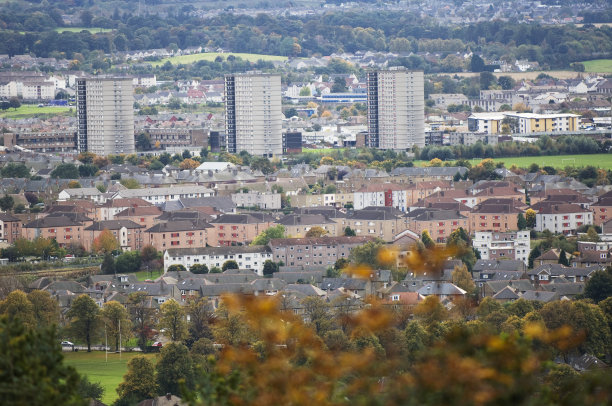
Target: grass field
(559,74)
(603,161)
(30,110)
(92,30)
(109,374)
(211,56)
(144,275)
(598,66)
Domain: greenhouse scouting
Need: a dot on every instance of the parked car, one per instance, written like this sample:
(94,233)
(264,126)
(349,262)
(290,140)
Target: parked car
(67,343)
(157,344)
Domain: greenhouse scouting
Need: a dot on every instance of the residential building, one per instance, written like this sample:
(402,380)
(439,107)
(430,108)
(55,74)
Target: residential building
(602,209)
(44,141)
(438,223)
(262,200)
(247,257)
(253,115)
(510,245)
(169,137)
(396,109)
(10,228)
(178,234)
(128,234)
(165,194)
(142,215)
(298,225)
(90,193)
(236,229)
(105,115)
(322,251)
(381,195)
(488,123)
(533,123)
(561,218)
(382,222)
(63,229)
(498,215)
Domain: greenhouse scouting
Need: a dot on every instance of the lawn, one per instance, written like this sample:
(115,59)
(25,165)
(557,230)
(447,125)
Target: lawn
(31,110)
(108,374)
(603,161)
(321,150)
(598,65)
(92,30)
(211,56)
(144,275)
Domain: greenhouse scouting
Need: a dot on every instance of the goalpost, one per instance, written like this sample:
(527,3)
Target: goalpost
(572,160)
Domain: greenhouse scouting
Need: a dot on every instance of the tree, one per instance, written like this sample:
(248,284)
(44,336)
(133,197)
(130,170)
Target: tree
(291,112)
(108,264)
(6,203)
(16,170)
(270,267)
(45,309)
(65,171)
(530,217)
(339,85)
(139,381)
(366,254)
(128,262)
(198,269)
(563,260)
(426,239)
(87,171)
(229,264)
(487,79)
(462,278)
(84,319)
(105,242)
(265,236)
(477,64)
(17,306)
(116,321)
(318,313)
(349,232)
(141,315)
(130,183)
(89,390)
(201,315)
(189,164)
(31,367)
(148,254)
(506,83)
(173,368)
(176,268)
(14,103)
(86,18)
(172,319)
(316,232)
(521,222)
(599,286)
(305,91)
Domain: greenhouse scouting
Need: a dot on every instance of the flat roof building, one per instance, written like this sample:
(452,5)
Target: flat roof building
(253,114)
(396,109)
(105,115)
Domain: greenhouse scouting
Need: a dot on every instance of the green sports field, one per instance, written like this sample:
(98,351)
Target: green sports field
(211,56)
(108,374)
(30,110)
(598,65)
(603,161)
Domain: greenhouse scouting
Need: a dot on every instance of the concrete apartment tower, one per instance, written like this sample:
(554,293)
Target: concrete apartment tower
(396,109)
(253,114)
(105,115)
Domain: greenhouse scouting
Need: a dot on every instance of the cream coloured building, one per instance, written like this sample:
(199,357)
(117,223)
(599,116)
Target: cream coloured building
(253,114)
(105,115)
(396,109)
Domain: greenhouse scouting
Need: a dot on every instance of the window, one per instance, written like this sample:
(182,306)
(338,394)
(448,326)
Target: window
(395,298)
(68,230)
(174,243)
(174,235)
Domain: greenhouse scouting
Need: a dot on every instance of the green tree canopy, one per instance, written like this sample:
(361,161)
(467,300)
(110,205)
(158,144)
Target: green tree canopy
(265,236)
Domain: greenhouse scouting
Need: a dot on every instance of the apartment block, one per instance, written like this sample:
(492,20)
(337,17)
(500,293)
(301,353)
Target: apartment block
(322,251)
(510,245)
(499,215)
(237,229)
(253,114)
(438,223)
(396,109)
(264,201)
(105,115)
(178,234)
(10,228)
(44,141)
(561,218)
(247,257)
(128,234)
(171,137)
